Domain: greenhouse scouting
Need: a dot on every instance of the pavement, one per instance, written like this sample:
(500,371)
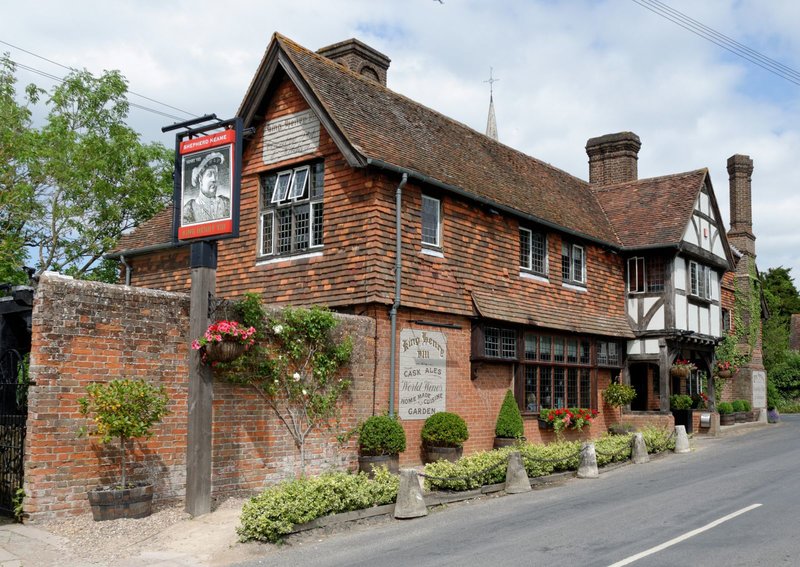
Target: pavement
(205,541)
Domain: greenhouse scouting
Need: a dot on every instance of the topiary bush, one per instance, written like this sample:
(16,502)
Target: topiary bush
(444,429)
(680,402)
(509,420)
(724,408)
(739,405)
(746,405)
(381,435)
(274,513)
(618,395)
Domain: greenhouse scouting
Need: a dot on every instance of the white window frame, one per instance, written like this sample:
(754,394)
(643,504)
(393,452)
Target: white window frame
(633,274)
(573,250)
(292,193)
(699,280)
(438,240)
(527,256)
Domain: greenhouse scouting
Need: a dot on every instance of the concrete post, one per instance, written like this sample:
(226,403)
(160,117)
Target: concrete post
(639,453)
(681,440)
(517,480)
(410,503)
(588,466)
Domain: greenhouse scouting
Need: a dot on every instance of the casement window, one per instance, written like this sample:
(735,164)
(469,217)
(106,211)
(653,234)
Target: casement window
(557,372)
(726,320)
(609,354)
(532,251)
(431,221)
(645,274)
(699,280)
(291,211)
(573,263)
(499,343)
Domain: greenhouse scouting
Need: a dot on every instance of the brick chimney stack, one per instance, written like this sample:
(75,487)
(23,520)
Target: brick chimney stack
(613,158)
(360,58)
(740,172)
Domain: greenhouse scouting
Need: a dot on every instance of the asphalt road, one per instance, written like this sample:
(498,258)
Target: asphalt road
(732,501)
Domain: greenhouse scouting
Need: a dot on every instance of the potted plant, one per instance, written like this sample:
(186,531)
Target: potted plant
(381,439)
(224,341)
(682,368)
(681,407)
(749,413)
(618,395)
(725,410)
(122,410)
(509,428)
(568,418)
(772,415)
(443,436)
(739,411)
(724,369)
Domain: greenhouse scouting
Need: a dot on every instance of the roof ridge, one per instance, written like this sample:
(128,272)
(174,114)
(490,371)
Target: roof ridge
(601,188)
(372,84)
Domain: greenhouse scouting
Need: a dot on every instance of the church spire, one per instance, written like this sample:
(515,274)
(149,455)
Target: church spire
(491,122)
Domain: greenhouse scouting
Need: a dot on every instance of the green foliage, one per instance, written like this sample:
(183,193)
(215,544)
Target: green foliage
(295,367)
(489,467)
(774,398)
(621,428)
(23,381)
(17,504)
(568,418)
(381,435)
(725,408)
(70,189)
(785,375)
(509,420)
(123,410)
(252,313)
(273,513)
(444,429)
(618,395)
(680,402)
(746,405)
(739,405)
(789,407)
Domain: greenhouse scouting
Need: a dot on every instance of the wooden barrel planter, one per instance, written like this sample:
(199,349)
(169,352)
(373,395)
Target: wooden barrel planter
(500,442)
(726,419)
(108,504)
(740,416)
(433,454)
(366,463)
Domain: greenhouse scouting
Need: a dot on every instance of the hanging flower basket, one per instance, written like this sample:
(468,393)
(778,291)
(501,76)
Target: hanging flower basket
(224,351)
(724,374)
(681,368)
(224,341)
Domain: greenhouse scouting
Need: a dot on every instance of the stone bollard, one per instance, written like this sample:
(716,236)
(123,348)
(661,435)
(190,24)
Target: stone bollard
(410,503)
(639,454)
(588,466)
(681,440)
(517,480)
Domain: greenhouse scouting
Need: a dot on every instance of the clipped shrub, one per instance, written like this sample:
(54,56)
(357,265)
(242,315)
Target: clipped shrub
(725,408)
(746,405)
(381,435)
(613,449)
(274,513)
(618,395)
(509,420)
(444,429)
(657,439)
(739,405)
(680,402)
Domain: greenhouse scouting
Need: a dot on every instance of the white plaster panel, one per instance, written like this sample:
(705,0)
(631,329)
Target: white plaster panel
(705,234)
(703,315)
(690,234)
(714,285)
(633,309)
(705,204)
(651,346)
(716,321)
(680,312)
(634,347)
(679,269)
(693,320)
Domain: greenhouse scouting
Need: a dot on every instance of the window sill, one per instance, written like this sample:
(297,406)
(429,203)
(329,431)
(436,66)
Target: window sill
(432,252)
(574,286)
(534,277)
(265,260)
(699,300)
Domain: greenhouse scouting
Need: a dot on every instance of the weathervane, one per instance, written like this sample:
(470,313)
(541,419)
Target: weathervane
(491,82)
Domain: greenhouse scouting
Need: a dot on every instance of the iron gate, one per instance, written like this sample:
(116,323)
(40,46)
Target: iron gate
(13,413)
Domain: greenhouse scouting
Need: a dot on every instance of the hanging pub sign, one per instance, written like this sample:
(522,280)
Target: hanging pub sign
(207,185)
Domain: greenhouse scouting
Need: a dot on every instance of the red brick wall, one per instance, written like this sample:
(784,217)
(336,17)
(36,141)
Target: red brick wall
(85,332)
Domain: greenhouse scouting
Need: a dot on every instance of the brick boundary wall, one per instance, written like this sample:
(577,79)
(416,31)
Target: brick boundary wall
(86,332)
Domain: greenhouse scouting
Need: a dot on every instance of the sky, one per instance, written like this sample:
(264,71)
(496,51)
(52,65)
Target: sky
(566,71)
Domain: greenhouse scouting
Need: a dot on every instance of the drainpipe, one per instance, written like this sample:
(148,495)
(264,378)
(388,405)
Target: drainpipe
(127,269)
(398,200)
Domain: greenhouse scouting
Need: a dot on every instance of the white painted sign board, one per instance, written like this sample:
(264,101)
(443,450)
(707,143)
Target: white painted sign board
(423,373)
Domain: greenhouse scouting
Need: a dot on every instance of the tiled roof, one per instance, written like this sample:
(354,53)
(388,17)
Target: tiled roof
(383,125)
(157,230)
(651,212)
(558,313)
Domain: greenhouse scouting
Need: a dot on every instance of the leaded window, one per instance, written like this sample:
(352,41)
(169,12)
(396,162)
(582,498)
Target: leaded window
(532,251)
(573,263)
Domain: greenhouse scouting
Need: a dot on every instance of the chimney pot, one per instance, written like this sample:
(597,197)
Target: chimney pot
(613,158)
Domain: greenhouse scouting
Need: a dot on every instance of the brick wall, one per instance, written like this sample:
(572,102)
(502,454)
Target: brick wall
(85,332)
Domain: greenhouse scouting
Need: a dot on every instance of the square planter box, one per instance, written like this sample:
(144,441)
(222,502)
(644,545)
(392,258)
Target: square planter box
(683,417)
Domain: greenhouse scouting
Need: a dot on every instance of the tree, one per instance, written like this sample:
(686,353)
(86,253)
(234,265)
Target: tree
(783,299)
(73,186)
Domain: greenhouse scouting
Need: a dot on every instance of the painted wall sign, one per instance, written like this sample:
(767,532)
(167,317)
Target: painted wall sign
(759,389)
(207,190)
(423,373)
(291,136)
